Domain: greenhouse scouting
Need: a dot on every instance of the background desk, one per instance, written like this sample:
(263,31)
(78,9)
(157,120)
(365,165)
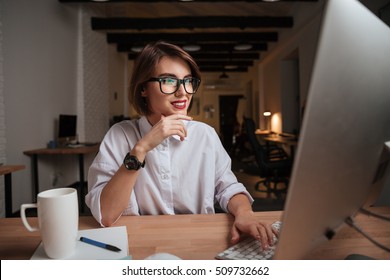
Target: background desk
(263,132)
(196,236)
(7,170)
(79,151)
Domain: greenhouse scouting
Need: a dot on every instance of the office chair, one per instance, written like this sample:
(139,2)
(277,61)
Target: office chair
(274,165)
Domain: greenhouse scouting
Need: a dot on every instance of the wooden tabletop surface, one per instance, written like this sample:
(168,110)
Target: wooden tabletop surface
(65,150)
(6,169)
(195,237)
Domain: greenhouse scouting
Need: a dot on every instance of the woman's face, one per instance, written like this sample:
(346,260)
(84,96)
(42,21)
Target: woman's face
(167,104)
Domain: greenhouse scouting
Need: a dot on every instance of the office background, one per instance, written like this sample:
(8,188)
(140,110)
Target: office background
(46,70)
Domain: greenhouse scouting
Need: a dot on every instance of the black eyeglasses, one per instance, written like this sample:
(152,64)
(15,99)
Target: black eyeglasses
(170,85)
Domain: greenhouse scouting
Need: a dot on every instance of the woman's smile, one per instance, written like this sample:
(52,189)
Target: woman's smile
(179,104)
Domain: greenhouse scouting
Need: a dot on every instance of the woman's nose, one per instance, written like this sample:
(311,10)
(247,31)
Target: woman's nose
(181,90)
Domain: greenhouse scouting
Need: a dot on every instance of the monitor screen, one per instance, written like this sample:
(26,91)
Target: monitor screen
(67,127)
(342,153)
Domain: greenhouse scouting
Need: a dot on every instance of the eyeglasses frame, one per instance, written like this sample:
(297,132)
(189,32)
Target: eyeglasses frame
(180,82)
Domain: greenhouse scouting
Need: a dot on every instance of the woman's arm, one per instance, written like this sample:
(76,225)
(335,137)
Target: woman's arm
(116,194)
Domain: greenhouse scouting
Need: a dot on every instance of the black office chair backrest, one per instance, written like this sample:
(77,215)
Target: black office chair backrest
(258,149)
(250,132)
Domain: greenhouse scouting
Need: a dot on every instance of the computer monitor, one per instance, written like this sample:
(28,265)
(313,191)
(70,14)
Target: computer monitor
(341,156)
(67,128)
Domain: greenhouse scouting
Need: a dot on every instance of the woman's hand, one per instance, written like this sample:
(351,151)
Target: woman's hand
(248,224)
(167,126)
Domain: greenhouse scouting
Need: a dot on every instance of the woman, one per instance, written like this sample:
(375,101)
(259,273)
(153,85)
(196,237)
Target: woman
(165,162)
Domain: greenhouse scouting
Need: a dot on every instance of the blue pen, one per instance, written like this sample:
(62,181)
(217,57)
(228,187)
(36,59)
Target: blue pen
(100,244)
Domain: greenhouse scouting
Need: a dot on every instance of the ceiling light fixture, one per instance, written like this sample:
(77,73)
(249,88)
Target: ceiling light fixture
(270,0)
(230,67)
(136,49)
(191,48)
(243,47)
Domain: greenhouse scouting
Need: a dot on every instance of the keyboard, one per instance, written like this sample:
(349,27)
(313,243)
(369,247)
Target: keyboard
(249,249)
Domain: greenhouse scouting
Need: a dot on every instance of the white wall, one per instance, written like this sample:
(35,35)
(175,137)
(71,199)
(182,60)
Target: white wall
(45,73)
(2,114)
(39,50)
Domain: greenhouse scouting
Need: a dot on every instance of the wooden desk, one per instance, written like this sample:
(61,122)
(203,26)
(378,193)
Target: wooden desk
(79,151)
(194,237)
(263,132)
(7,170)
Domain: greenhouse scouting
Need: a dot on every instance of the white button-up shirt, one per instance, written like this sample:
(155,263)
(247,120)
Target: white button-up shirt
(179,177)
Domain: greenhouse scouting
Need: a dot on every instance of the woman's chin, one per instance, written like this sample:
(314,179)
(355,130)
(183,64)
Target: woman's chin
(181,112)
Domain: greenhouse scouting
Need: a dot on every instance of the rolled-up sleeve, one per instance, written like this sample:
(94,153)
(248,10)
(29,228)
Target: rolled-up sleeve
(104,167)
(97,179)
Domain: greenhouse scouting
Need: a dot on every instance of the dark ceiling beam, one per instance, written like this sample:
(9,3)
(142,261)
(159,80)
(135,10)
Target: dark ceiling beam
(224,66)
(225,62)
(220,47)
(238,56)
(242,22)
(210,56)
(250,37)
(205,68)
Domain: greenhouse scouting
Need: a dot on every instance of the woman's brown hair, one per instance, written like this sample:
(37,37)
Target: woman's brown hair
(144,66)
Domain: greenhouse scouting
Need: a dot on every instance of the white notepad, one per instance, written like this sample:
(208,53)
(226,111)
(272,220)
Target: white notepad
(116,236)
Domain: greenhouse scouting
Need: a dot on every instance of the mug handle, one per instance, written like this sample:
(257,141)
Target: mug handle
(23,215)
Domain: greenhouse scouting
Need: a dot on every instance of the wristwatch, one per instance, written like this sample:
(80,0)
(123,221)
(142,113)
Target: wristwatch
(132,163)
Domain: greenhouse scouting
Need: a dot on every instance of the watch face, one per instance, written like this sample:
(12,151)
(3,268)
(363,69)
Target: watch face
(131,162)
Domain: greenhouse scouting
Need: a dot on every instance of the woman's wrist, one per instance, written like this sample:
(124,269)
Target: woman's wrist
(240,205)
(139,151)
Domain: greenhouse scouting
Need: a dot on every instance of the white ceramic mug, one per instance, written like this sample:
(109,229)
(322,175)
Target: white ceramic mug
(58,219)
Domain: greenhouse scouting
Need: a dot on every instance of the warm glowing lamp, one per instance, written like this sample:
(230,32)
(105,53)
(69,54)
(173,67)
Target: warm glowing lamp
(267,115)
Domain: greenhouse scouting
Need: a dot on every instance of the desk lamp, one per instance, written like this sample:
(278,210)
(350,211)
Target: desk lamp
(267,115)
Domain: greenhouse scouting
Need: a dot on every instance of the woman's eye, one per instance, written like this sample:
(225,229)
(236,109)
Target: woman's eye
(188,81)
(169,81)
